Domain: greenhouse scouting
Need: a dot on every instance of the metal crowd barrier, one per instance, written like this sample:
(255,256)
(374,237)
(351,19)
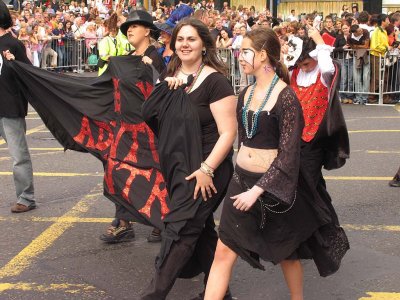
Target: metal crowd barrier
(365,78)
(75,55)
(369,79)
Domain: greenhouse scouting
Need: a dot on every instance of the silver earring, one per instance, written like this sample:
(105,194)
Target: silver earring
(204,52)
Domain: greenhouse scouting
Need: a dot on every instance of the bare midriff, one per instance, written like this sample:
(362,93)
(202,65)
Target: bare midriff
(255,160)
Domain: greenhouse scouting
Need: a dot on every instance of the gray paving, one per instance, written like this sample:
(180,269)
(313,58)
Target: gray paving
(90,269)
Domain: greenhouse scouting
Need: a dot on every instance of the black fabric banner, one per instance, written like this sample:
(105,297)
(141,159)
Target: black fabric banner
(171,116)
(102,116)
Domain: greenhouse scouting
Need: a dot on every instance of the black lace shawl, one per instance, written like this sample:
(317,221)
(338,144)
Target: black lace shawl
(280,180)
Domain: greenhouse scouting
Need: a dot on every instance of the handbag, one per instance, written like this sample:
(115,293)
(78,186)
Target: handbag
(93,59)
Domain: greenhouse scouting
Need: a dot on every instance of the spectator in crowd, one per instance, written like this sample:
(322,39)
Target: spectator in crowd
(345,57)
(108,45)
(47,51)
(363,20)
(236,45)
(310,19)
(34,45)
(91,45)
(78,28)
(202,15)
(338,25)
(302,31)
(223,40)
(70,46)
(165,37)
(395,20)
(24,37)
(217,30)
(379,46)
(83,10)
(329,27)
(359,42)
(345,10)
(354,10)
(55,5)
(292,17)
(59,36)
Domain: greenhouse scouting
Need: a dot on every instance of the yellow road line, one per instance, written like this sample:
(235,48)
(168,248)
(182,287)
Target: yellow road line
(32,113)
(39,149)
(75,219)
(363,178)
(24,259)
(382,152)
(32,118)
(387,117)
(374,130)
(354,227)
(57,219)
(55,174)
(381,296)
(53,287)
(28,132)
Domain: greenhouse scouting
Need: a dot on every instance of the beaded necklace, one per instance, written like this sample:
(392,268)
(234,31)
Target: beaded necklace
(254,119)
(195,76)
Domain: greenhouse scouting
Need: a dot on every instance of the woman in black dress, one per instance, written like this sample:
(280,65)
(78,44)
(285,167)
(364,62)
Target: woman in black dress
(271,211)
(213,100)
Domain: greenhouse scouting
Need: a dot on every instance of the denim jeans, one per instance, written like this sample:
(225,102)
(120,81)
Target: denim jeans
(346,80)
(13,131)
(361,82)
(61,55)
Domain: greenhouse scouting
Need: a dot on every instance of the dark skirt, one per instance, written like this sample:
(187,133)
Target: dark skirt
(309,229)
(261,233)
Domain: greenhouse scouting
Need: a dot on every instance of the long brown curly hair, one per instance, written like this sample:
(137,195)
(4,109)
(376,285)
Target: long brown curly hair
(209,59)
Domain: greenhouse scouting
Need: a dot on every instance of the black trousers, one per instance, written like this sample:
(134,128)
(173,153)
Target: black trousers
(197,242)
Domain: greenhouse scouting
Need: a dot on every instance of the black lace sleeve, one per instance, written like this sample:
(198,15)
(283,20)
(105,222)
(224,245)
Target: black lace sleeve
(280,181)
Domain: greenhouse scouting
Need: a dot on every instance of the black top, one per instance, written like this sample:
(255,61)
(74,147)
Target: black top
(280,180)
(267,134)
(338,50)
(12,103)
(214,87)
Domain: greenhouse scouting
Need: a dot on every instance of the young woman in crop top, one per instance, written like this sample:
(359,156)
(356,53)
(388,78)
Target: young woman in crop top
(268,212)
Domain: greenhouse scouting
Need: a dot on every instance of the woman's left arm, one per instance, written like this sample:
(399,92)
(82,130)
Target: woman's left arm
(224,113)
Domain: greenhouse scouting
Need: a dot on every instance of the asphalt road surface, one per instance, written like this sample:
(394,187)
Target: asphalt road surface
(54,252)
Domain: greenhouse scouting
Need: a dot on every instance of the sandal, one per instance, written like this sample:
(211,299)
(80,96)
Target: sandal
(118,234)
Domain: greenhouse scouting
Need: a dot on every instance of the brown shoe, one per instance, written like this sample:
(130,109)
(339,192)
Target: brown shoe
(20,208)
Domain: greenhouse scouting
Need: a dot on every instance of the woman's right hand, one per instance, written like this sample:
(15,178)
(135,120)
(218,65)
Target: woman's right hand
(8,55)
(174,82)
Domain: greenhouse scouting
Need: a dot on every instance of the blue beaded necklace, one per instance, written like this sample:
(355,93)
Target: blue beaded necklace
(254,118)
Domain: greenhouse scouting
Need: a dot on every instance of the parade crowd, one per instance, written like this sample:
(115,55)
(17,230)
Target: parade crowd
(51,33)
